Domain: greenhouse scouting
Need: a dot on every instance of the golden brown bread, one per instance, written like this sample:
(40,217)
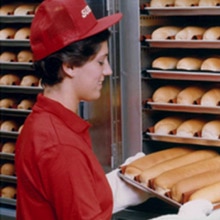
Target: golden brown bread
(190,33)
(164,182)
(165,63)
(181,191)
(189,63)
(8,103)
(186,3)
(25,9)
(211,64)
(25,56)
(9,125)
(8,9)
(211,98)
(26,104)
(7,33)
(182,160)
(30,80)
(212,33)
(161,3)
(10,79)
(20,128)
(8,169)
(211,130)
(190,127)
(8,192)
(209,3)
(210,192)
(136,167)
(8,147)
(190,95)
(165,33)
(22,34)
(8,57)
(167,125)
(166,94)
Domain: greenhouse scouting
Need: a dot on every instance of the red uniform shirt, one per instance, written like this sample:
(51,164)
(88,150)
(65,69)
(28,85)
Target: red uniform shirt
(59,177)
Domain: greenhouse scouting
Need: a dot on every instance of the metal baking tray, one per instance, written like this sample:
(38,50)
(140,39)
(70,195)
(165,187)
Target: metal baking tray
(7,201)
(170,11)
(17,43)
(9,134)
(16,18)
(182,44)
(185,140)
(7,178)
(21,89)
(149,190)
(16,65)
(14,111)
(183,75)
(7,156)
(184,108)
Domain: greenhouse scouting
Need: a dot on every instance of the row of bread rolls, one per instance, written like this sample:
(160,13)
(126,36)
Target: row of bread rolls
(178,171)
(10,126)
(18,9)
(187,96)
(24,104)
(184,3)
(15,79)
(188,63)
(14,33)
(181,127)
(7,168)
(21,56)
(8,192)
(186,33)
(8,147)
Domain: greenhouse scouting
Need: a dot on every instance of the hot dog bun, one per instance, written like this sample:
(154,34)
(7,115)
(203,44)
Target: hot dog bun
(211,130)
(211,98)
(211,64)
(25,9)
(8,169)
(212,33)
(7,33)
(26,104)
(8,57)
(8,192)
(9,125)
(209,3)
(22,34)
(25,56)
(186,3)
(189,63)
(8,103)
(165,33)
(8,9)
(161,3)
(8,147)
(190,33)
(10,79)
(30,80)
(165,63)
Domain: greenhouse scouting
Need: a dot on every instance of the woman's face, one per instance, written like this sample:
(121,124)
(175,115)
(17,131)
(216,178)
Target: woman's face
(89,78)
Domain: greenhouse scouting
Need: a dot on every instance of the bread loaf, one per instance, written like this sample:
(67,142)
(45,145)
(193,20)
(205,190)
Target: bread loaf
(8,103)
(166,94)
(8,9)
(165,63)
(185,159)
(7,33)
(209,3)
(190,94)
(210,192)
(30,80)
(186,3)
(25,56)
(212,33)
(189,63)
(8,192)
(165,33)
(181,191)
(164,182)
(211,130)
(10,79)
(9,125)
(26,104)
(211,98)
(190,127)
(211,64)
(134,168)
(190,33)
(8,147)
(161,3)
(8,169)
(167,125)
(22,34)
(25,9)
(8,57)
(20,128)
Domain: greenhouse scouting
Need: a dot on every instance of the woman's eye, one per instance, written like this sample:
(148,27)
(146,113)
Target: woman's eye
(101,63)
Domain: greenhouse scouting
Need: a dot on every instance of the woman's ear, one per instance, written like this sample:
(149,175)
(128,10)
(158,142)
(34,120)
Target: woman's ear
(68,69)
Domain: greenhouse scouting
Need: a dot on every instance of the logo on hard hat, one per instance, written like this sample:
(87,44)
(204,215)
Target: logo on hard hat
(87,10)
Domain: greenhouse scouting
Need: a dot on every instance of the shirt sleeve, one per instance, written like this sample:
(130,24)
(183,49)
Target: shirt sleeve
(69,184)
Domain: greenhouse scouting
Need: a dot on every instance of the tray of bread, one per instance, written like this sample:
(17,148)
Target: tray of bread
(186,130)
(176,175)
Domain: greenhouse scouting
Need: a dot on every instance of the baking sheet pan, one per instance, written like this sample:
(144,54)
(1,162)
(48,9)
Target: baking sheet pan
(149,190)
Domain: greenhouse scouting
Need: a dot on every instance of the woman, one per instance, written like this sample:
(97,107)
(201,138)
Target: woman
(59,176)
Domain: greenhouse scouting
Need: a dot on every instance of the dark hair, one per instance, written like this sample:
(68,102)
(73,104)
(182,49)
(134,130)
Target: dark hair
(76,54)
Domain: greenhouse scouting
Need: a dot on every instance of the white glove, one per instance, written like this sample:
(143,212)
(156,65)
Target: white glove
(193,210)
(124,194)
